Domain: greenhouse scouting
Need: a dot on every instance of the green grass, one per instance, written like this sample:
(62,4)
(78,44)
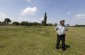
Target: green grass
(22,40)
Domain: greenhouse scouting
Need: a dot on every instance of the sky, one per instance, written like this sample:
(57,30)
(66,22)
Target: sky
(72,11)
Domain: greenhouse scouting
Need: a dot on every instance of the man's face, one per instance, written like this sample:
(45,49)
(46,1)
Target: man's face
(62,23)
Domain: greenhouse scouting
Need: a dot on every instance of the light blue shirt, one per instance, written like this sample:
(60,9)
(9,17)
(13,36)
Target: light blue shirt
(61,29)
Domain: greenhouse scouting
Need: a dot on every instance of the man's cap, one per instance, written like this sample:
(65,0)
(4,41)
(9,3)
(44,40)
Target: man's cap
(62,21)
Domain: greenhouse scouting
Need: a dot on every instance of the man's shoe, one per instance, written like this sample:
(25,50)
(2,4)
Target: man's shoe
(57,47)
(63,49)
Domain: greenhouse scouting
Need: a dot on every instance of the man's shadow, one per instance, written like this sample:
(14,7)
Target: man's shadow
(66,46)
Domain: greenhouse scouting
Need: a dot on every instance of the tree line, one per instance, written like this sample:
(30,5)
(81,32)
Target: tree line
(77,25)
(8,21)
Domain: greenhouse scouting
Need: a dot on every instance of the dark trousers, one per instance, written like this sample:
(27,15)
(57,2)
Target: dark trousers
(60,38)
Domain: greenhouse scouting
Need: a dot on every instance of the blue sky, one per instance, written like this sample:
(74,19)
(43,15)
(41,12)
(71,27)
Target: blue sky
(73,11)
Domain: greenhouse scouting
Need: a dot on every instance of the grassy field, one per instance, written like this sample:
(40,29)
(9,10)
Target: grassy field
(23,40)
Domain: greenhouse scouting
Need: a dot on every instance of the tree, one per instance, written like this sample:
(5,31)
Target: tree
(45,19)
(0,22)
(44,22)
(25,23)
(68,25)
(77,25)
(36,23)
(15,23)
(7,20)
(56,24)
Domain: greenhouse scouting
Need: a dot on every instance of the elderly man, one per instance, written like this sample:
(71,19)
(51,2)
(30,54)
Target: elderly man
(61,30)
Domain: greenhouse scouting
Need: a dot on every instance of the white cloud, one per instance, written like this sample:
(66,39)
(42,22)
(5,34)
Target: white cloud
(28,0)
(68,13)
(29,11)
(79,16)
(2,16)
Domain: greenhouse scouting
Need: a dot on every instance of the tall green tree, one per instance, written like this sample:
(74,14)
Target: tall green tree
(7,20)
(44,22)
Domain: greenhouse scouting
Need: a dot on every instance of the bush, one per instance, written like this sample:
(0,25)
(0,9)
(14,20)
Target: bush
(25,23)
(15,23)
